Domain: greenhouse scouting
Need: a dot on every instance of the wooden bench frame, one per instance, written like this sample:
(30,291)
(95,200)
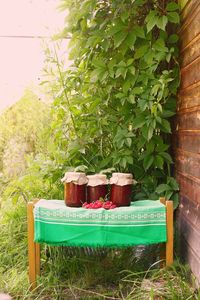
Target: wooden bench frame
(34,248)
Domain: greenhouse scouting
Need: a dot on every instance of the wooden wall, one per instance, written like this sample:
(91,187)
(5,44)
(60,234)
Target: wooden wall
(187,137)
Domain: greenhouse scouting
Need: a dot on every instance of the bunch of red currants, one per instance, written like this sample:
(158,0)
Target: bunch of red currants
(99,204)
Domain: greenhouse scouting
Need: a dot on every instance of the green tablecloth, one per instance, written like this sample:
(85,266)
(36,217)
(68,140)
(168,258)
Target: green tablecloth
(144,222)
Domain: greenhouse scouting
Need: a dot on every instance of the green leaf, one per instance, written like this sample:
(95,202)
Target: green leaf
(158,161)
(129,160)
(145,130)
(143,104)
(173,38)
(151,20)
(175,199)
(139,52)
(154,90)
(129,142)
(139,31)
(161,147)
(98,63)
(159,45)
(162,188)
(130,39)
(166,156)
(118,26)
(120,95)
(165,126)
(105,162)
(96,74)
(162,22)
(124,16)
(150,133)
(126,86)
(148,57)
(119,37)
(137,90)
(150,147)
(168,113)
(131,99)
(139,122)
(122,72)
(174,17)
(168,195)
(123,162)
(132,70)
(168,57)
(148,161)
(172,6)
(129,62)
(173,183)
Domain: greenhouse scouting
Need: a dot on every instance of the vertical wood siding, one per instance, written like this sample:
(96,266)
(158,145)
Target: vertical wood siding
(187,137)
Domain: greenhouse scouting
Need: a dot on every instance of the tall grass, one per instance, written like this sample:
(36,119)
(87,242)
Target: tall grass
(73,273)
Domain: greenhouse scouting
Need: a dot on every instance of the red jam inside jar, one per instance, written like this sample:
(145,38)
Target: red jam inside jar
(74,194)
(96,192)
(121,195)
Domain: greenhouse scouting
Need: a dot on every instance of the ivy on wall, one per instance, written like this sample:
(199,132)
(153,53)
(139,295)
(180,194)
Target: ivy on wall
(115,103)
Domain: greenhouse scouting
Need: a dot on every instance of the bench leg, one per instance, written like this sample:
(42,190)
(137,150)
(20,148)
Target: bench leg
(31,246)
(170,233)
(37,258)
(162,255)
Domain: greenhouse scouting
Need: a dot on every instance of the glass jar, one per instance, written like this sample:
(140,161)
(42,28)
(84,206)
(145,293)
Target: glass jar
(74,188)
(121,188)
(97,187)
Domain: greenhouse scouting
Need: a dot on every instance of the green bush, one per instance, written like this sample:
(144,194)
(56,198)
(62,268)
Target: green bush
(114,105)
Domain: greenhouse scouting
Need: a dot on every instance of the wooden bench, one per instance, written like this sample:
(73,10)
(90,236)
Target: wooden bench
(34,248)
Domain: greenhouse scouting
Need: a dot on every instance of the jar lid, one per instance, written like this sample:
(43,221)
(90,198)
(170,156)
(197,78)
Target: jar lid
(121,179)
(75,177)
(97,179)
(123,175)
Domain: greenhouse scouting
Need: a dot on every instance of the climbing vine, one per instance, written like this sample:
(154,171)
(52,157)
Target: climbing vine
(115,102)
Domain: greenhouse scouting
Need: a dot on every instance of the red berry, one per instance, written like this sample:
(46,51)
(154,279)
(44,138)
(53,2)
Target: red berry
(106,206)
(99,205)
(109,202)
(113,206)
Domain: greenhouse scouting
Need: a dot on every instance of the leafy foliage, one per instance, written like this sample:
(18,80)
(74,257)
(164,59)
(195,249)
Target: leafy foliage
(22,138)
(114,105)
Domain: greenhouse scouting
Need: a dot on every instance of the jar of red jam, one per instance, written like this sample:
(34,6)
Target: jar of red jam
(74,188)
(97,187)
(121,188)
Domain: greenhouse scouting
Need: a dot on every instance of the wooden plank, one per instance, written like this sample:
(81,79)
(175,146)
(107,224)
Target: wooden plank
(188,256)
(189,253)
(189,187)
(190,53)
(191,212)
(37,249)
(31,246)
(191,25)
(188,11)
(189,97)
(188,120)
(37,258)
(188,163)
(183,3)
(190,74)
(187,141)
(170,233)
(186,137)
(190,234)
